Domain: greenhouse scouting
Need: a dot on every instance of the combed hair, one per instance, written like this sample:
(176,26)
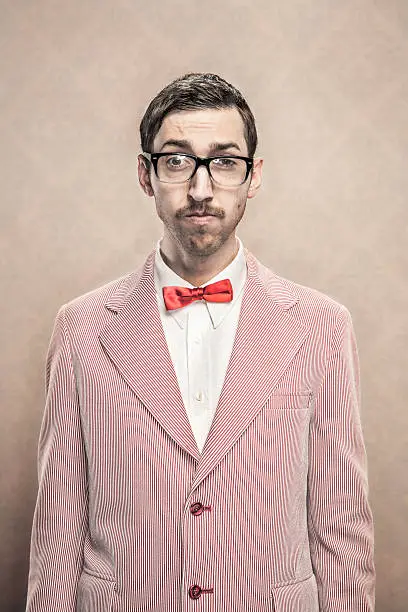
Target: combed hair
(194,91)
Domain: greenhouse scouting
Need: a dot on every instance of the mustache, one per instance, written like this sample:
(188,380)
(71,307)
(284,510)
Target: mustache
(200,210)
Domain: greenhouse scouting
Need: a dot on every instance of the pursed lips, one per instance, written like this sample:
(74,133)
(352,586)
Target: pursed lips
(199,215)
(199,218)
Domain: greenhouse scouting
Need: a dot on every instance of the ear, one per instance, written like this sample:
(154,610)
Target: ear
(144,175)
(256,177)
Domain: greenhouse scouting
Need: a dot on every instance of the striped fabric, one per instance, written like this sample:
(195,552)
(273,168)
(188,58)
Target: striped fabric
(272,516)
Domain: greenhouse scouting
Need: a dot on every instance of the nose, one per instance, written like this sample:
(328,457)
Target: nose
(201,185)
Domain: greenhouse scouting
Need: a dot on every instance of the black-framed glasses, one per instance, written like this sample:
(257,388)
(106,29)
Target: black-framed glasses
(225,170)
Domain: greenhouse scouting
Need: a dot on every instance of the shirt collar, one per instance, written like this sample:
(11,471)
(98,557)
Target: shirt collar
(236,271)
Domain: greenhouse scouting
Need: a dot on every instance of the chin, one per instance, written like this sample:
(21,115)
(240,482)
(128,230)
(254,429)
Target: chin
(203,247)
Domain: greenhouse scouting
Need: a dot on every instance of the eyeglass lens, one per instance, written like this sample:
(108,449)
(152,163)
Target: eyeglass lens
(180,168)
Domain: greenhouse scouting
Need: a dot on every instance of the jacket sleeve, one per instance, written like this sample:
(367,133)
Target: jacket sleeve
(61,511)
(339,516)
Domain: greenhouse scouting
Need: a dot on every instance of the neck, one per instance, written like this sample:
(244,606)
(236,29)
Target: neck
(198,270)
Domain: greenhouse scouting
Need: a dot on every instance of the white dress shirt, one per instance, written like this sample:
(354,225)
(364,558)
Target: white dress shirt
(200,337)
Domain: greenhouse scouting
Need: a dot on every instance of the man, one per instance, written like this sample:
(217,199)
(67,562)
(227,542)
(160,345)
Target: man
(201,447)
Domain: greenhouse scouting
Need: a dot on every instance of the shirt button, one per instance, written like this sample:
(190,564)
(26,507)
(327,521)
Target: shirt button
(196,509)
(194,591)
(199,396)
(197,340)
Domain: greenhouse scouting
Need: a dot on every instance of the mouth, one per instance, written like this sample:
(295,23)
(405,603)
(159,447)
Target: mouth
(199,215)
(199,218)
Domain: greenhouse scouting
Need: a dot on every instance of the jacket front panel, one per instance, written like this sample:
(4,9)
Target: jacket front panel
(142,521)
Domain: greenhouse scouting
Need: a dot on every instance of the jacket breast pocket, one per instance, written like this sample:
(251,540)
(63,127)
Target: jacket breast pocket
(297,597)
(94,594)
(285,421)
(290,401)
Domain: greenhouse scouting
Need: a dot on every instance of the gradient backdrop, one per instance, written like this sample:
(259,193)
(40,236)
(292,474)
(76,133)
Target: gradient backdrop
(328,83)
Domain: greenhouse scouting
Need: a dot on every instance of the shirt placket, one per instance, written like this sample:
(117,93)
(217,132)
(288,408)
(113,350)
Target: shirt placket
(198,374)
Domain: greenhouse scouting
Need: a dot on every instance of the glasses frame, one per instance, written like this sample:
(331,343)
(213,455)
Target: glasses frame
(199,161)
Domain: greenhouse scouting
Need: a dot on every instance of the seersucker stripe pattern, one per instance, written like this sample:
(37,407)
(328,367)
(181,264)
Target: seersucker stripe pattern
(273,515)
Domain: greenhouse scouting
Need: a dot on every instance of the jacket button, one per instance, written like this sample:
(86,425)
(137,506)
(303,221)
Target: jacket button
(196,509)
(194,591)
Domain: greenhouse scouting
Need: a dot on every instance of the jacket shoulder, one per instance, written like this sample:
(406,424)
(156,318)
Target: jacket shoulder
(94,305)
(303,301)
(97,298)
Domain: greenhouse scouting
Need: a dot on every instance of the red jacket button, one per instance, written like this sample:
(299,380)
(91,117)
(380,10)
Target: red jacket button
(194,591)
(196,508)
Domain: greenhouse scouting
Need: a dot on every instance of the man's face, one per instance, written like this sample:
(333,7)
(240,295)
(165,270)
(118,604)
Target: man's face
(204,133)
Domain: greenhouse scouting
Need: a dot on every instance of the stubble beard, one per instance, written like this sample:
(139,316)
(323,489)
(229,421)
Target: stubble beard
(202,241)
(199,241)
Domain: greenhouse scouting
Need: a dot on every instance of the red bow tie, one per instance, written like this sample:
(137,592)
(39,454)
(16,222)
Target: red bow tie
(177,297)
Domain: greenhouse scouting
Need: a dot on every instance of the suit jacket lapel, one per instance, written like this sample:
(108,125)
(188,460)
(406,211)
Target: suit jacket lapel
(266,341)
(135,342)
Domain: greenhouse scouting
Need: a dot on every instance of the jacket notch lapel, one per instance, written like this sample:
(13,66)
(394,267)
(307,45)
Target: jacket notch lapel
(267,339)
(134,341)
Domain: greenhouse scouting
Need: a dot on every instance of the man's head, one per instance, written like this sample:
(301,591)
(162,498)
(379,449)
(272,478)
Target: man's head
(204,116)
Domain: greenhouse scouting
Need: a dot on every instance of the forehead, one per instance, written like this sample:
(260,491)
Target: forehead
(202,128)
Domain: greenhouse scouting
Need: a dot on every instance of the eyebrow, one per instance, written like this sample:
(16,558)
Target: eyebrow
(214,146)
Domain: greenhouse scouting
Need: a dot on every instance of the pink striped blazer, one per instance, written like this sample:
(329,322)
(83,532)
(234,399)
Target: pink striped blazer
(272,516)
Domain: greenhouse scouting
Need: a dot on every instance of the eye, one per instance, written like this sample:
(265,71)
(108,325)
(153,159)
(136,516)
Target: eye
(176,162)
(225,162)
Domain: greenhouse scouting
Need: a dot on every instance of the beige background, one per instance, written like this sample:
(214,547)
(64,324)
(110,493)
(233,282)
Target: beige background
(328,83)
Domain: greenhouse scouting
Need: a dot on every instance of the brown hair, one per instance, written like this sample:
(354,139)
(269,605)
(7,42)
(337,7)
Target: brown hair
(194,91)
